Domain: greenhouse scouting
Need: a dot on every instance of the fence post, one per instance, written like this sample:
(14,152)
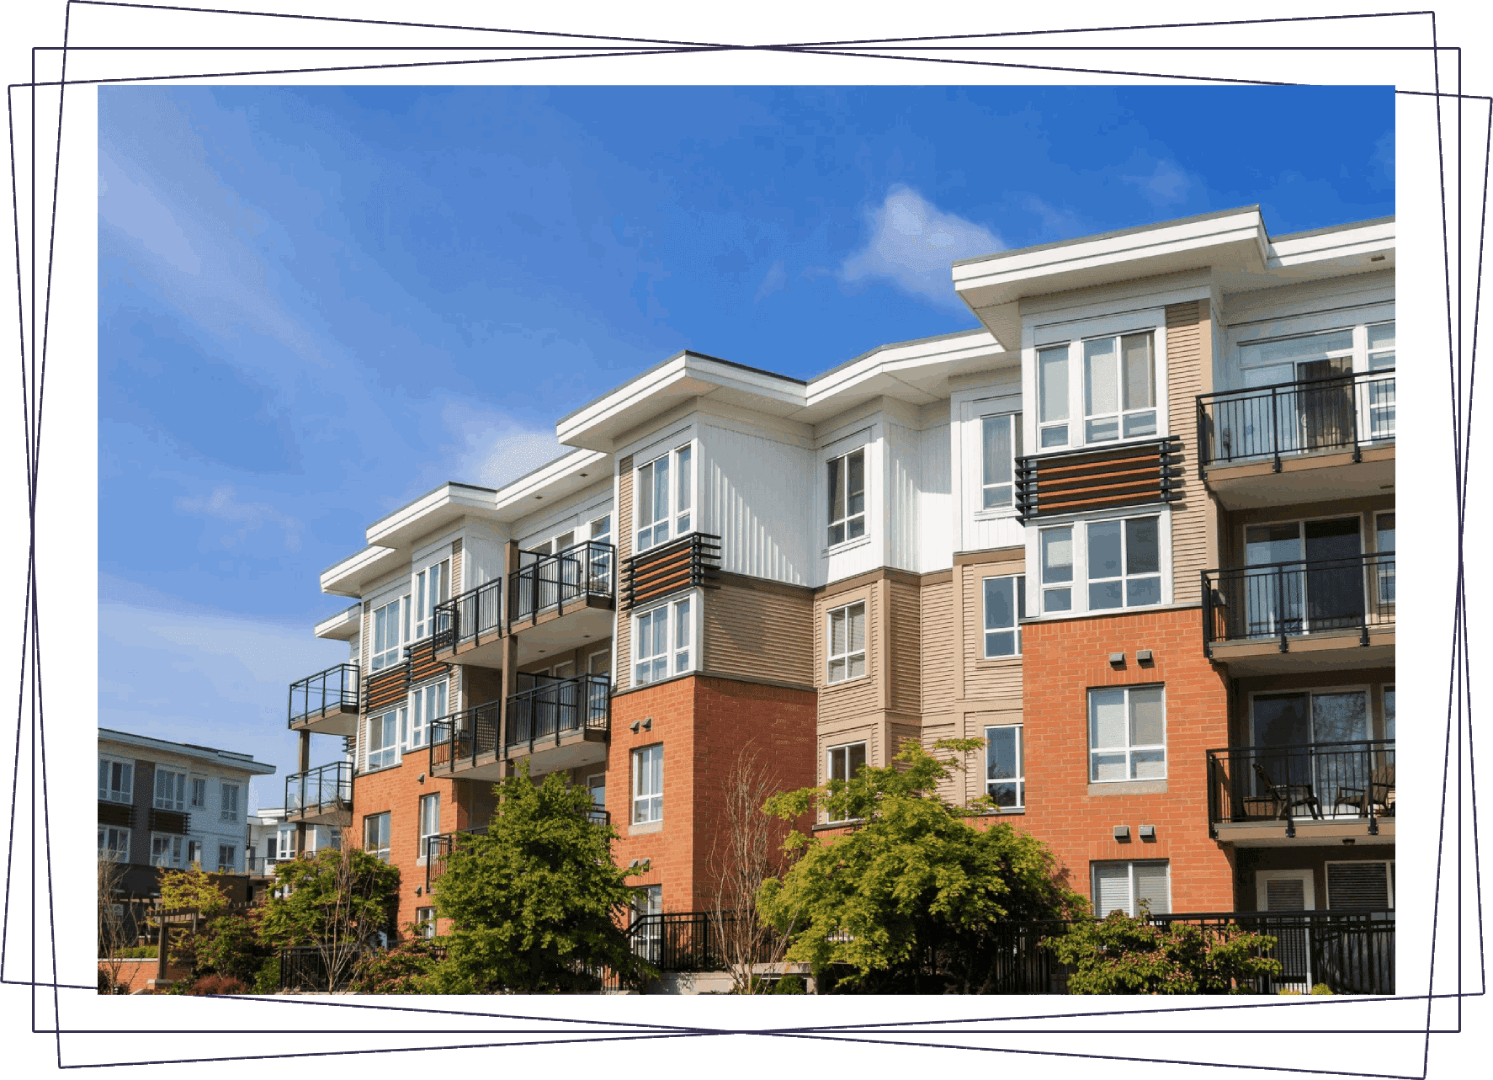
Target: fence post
(1275,425)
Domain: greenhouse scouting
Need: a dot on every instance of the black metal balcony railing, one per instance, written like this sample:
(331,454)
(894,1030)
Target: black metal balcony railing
(336,687)
(1270,422)
(320,790)
(463,736)
(1289,599)
(551,708)
(1317,781)
(580,572)
(476,615)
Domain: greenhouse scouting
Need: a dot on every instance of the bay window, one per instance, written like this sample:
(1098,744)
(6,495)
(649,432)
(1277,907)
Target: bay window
(1127,734)
(662,640)
(662,503)
(846,651)
(847,497)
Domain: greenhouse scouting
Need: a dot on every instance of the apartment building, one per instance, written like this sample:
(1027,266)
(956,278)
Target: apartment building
(174,805)
(1136,532)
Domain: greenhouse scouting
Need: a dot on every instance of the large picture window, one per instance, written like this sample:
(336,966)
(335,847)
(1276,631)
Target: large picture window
(662,639)
(663,496)
(1005,780)
(383,739)
(847,497)
(1102,565)
(1005,606)
(1000,440)
(1130,886)
(1127,734)
(847,642)
(389,633)
(1109,381)
(428,703)
(116,781)
(171,789)
(648,784)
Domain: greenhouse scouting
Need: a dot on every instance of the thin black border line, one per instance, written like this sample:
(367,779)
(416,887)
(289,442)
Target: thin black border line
(324,18)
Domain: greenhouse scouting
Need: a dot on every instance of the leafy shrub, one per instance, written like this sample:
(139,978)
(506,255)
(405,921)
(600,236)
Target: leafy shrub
(230,945)
(789,984)
(403,969)
(210,985)
(1125,955)
(267,978)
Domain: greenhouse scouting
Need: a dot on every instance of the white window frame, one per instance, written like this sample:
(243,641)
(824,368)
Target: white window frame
(108,835)
(429,819)
(111,769)
(1121,415)
(1124,579)
(391,722)
(673,516)
(197,787)
(1038,600)
(194,852)
(1129,750)
(177,853)
(989,487)
(850,654)
(384,851)
(1018,612)
(831,771)
(1133,908)
(681,631)
(1020,778)
(175,800)
(647,803)
(425,921)
(231,862)
(837,472)
(426,704)
(429,587)
(389,619)
(1262,887)
(285,843)
(228,801)
(1067,427)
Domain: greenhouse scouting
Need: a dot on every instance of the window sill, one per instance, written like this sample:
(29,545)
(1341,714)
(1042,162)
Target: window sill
(825,826)
(996,514)
(840,549)
(643,828)
(846,682)
(1003,811)
(1128,787)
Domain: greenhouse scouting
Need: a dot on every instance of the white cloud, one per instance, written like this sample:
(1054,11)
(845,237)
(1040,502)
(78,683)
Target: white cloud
(914,244)
(775,279)
(1165,182)
(489,448)
(224,505)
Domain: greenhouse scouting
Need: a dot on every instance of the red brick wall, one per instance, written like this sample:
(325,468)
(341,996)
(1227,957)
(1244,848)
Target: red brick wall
(398,791)
(701,723)
(1062,660)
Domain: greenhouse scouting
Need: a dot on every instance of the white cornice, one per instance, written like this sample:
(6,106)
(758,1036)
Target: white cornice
(223,759)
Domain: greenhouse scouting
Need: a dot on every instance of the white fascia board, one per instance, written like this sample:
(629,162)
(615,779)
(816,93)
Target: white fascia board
(1334,245)
(346,578)
(222,759)
(511,502)
(1001,278)
(429,512)
(895,360)
(342,626)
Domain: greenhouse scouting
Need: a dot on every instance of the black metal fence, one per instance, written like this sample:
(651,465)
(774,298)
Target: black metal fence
(1288,599)
(336,687)
(1352,952)
(580,572)
(1309,780)
(304,969)
(1342,412)
(476,615)
(323,789)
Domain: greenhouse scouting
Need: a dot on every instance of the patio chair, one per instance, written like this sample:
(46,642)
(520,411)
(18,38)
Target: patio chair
(1288,797)
(1377,794)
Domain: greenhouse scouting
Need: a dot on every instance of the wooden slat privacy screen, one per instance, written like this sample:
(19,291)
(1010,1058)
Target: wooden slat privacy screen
(386,688)
(685,563)
(1078,481)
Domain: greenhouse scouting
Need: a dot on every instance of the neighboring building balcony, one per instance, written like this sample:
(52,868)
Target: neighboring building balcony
(326,703)
(169,821)
(693,561)
(320,796)
(1313,793)
(1102,477)
(1299,442)
(1278,616)
(120,815)
(558,723)
(438,848)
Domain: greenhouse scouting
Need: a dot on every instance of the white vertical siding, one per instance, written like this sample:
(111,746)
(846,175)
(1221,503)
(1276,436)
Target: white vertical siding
(757,493)
(935,519)
(977,530)
(902,476)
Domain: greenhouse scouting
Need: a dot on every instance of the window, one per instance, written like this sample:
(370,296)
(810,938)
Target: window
(387,623)
(425,922)
(1119,560)
(1005,781)
(648,939)
(846,654)
(227,859)
(1127,734)
(430,821)
(1052,396)
(113,843)
(287,842)
(660,503)
(601,558)
(199,792)
(1129,886)
(171,789)
(116,781)
(1389,713)
(596,784)
(426,704)
(383,739)
(1000,438)
(1005,604)
(376,835)
(194,853)
(847,497)
(1119,388)
(1384,568)
(432,587)
(228,807)
(845,762)
(1360,886)
(269,849)
(1381,392)
(648,784)
(167,850)
(658,652)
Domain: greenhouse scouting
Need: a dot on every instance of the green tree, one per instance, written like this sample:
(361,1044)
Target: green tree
(404,968)
(911,900)
(335,901)
(1126,955)
(233,947)
(536,905)
(190,890)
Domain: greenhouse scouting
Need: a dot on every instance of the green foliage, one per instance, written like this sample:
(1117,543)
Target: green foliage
(1125,955)
(138,952)
(231,946)
(536,904)
(788,984)
(267,978)
(403,969)
(343,896)
(911,899)
(192,889)
(1320,988)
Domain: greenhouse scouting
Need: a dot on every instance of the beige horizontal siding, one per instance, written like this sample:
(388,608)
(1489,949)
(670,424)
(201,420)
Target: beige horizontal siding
(856,696)
(904,645)
(936,655)
(1188,346)
(992,678)
(759,630)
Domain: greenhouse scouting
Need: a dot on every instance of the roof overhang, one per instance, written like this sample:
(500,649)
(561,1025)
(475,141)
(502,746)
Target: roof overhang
(429,512)
(342,626)
(225,759)
(348,577)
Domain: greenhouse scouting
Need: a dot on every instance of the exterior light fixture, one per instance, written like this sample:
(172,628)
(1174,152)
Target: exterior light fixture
(1116,659)
(1144,656)
(634,726)
(1148,832)
(648,724)
(1122,832)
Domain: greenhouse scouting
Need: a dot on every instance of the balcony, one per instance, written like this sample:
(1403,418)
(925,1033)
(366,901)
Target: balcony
(1299,442)
(120,815)
(1313,793)
(557,601)
(558,723)
(1280,617)
(469,627)
(321,796)
(326,703)
(169,821)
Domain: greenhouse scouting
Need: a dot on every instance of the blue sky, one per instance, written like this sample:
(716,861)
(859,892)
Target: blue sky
(316,304)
